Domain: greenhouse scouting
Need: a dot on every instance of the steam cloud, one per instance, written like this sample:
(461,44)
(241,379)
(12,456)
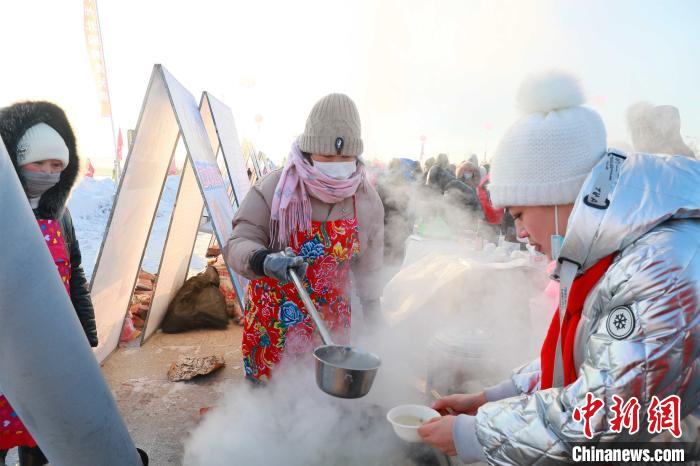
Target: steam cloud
(444,288)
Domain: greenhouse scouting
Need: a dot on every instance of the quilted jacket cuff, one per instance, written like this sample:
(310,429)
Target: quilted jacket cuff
(503,390)
(464,435)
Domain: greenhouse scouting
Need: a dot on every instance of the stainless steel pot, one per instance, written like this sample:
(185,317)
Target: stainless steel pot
(342,371)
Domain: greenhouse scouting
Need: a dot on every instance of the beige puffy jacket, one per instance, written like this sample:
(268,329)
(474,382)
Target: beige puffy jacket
(251,232)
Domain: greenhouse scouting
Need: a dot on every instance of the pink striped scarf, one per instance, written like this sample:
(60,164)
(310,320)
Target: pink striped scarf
(291,206)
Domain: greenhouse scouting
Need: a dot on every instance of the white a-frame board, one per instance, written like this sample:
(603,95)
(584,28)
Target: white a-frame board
(169,112)
(222,136)
(221,127)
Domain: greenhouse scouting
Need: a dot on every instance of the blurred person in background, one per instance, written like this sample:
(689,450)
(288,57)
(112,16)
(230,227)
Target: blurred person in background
(427,165)
(396,189)
(443,161)
(470,173)
(656,129)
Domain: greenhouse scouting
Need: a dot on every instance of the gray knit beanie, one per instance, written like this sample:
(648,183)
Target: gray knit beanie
(333,127)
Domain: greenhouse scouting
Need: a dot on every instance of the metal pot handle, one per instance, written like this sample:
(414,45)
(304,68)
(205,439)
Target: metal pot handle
(325,336)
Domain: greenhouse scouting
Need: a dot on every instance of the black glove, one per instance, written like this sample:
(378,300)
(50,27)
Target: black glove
(278,264)
(144,456)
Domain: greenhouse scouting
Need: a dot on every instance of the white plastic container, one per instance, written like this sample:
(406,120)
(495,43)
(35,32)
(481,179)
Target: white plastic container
(407,419)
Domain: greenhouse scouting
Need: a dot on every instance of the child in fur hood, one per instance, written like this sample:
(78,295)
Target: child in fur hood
(42,147)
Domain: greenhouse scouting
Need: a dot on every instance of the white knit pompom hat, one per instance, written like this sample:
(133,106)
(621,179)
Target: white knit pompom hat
(41,142)
(544,157)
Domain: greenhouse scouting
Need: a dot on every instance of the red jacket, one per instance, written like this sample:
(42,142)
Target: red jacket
(493,215)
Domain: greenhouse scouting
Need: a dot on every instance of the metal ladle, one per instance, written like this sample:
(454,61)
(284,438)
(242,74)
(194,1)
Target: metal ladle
(342,371)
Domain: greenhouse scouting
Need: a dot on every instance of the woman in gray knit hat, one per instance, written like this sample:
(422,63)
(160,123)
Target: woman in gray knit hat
(320,217)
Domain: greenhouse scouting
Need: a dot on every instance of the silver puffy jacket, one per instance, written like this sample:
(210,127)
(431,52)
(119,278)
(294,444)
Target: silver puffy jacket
(653,223)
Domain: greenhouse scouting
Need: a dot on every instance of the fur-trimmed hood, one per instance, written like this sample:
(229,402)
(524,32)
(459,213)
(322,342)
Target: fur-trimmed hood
(15,120)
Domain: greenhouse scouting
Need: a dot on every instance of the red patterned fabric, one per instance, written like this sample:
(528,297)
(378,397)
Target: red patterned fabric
(277,323)
(12,430)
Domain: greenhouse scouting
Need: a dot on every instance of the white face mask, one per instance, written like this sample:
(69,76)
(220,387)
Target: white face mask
(337,170)
(557,240)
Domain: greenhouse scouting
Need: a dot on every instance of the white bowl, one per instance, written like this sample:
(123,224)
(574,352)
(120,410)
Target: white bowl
(406,419)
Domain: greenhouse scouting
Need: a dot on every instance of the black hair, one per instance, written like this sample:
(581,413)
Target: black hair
(307,156)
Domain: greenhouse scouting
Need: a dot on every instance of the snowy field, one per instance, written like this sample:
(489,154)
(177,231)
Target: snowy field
(90,205)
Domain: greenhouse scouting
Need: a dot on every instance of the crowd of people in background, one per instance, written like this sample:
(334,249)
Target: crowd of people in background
(461,190)
(457,192)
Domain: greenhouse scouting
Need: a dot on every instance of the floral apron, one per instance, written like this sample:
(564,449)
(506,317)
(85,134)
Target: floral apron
(277,324)
(12,430)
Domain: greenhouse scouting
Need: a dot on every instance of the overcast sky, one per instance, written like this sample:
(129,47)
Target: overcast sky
(446,69)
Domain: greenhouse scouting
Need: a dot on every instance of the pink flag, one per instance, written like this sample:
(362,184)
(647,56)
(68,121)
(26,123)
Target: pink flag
(90,170)
(120,144)
(173,169)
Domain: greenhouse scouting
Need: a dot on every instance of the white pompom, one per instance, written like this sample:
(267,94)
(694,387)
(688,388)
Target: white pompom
(549,91)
